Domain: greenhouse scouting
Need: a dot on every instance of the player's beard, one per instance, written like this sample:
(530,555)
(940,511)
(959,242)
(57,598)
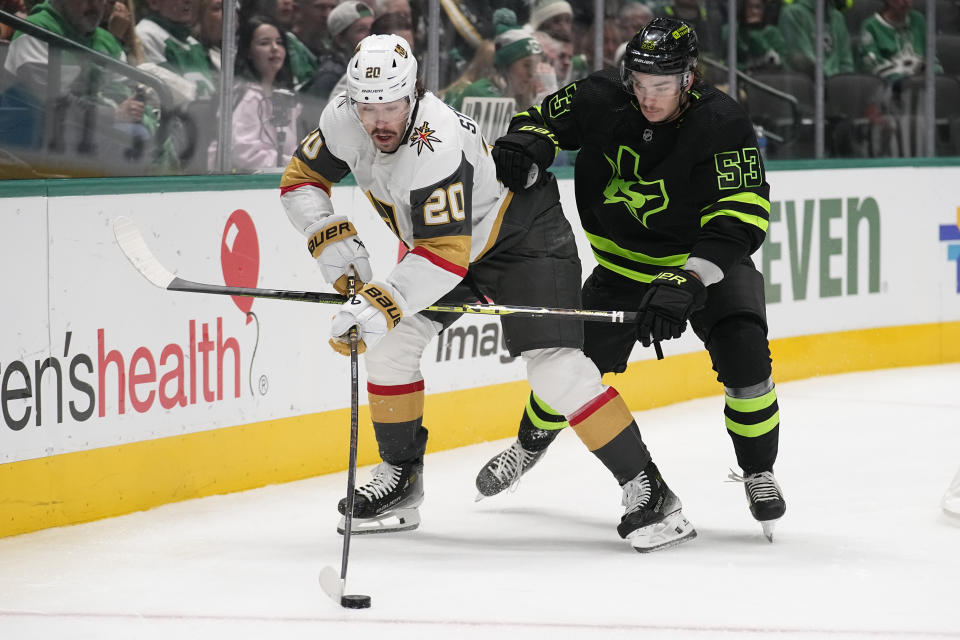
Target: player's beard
(390,143)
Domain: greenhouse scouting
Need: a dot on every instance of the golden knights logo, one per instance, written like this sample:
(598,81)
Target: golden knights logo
(400,51)
(422,136)
(640,197)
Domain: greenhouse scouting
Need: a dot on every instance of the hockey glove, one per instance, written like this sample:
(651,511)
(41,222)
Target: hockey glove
(337,247)
(373,310)
(518,151)
(673,296)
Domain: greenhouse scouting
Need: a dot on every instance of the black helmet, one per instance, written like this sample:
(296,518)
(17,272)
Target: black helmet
(666,46)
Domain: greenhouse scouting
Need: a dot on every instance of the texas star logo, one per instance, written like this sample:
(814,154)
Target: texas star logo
(642,198)
(422,136)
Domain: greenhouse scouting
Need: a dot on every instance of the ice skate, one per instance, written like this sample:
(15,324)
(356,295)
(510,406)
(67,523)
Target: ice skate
(503,471)
(388,502)
(653,519)
(766,500)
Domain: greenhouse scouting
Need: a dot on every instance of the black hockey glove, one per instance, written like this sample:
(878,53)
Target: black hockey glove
(516,152)
(673,296)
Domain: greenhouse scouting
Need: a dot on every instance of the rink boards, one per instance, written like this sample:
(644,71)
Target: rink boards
(117,396)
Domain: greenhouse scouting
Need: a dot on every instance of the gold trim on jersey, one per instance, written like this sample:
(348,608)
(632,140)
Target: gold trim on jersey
(298,172)
(453,249)
(495,229)
(387,213)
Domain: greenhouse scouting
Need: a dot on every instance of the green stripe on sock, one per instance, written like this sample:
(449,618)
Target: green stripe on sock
(747,405)
(754,430)
(533,413)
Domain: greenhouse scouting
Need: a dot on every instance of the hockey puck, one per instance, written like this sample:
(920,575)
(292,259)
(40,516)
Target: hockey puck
(355,601)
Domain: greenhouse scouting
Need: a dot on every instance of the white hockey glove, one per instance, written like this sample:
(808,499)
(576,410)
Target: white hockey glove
(373,310)
(337,247)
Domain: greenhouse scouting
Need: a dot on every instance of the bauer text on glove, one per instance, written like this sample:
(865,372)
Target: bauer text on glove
(337,248)
(674,295)
(516,152)
(374,311)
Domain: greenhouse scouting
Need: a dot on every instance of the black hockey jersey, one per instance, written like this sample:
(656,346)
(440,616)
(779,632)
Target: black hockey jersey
(653,195)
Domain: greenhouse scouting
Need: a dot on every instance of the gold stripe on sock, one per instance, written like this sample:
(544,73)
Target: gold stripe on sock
(602,419)
(396,408)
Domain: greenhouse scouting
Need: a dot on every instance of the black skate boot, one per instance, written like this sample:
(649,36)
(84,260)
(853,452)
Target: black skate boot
(539,427)
(653,519)
(765,498)
(389,501)
(504,469)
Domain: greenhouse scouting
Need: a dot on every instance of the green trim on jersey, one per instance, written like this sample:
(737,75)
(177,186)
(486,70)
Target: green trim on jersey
(609,246)
(745,197)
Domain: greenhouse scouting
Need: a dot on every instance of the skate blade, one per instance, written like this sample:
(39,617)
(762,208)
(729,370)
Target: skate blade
(673,530)
(768,527)
(509,489)
(397,520)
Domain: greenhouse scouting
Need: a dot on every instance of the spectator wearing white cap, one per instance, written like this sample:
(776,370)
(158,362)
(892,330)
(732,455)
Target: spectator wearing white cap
(348,24)
(554,17)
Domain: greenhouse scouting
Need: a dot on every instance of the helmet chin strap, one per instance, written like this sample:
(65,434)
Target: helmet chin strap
(411,118)
(681,104)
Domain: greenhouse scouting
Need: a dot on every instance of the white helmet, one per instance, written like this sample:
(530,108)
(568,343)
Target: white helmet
(382,69)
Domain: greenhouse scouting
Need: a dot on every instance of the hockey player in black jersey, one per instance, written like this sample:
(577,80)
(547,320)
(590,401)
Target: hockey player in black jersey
(672,196)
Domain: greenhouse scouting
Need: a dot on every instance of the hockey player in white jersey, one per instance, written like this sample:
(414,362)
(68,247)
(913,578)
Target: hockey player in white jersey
(428,173)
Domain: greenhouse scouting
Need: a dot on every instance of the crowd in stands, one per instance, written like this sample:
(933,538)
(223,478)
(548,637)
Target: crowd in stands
(292,55)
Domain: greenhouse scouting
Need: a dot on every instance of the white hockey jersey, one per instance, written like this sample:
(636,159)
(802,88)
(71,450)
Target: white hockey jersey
(438,192)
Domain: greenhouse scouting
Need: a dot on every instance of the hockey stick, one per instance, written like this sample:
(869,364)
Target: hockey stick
(332,585)
(135,248)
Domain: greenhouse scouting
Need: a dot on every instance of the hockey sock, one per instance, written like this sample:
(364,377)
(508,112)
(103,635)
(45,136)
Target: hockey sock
(397,414)
(539,425)
(606,427)
(754,427)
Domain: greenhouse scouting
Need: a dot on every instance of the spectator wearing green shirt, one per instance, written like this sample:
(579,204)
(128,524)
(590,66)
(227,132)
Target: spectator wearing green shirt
(208,29)
(797,25)
(168,42)
(92,99)
(517,58)
(893,41)
(760,45)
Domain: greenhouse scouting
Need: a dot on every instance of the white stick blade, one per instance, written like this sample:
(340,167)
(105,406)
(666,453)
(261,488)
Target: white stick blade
(331,583)
(951,499)
(138,253)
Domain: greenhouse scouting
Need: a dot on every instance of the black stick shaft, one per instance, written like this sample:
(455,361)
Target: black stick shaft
(354,437)
(179,284)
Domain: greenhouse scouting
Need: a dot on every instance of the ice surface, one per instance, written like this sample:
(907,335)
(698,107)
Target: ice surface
(864,550)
